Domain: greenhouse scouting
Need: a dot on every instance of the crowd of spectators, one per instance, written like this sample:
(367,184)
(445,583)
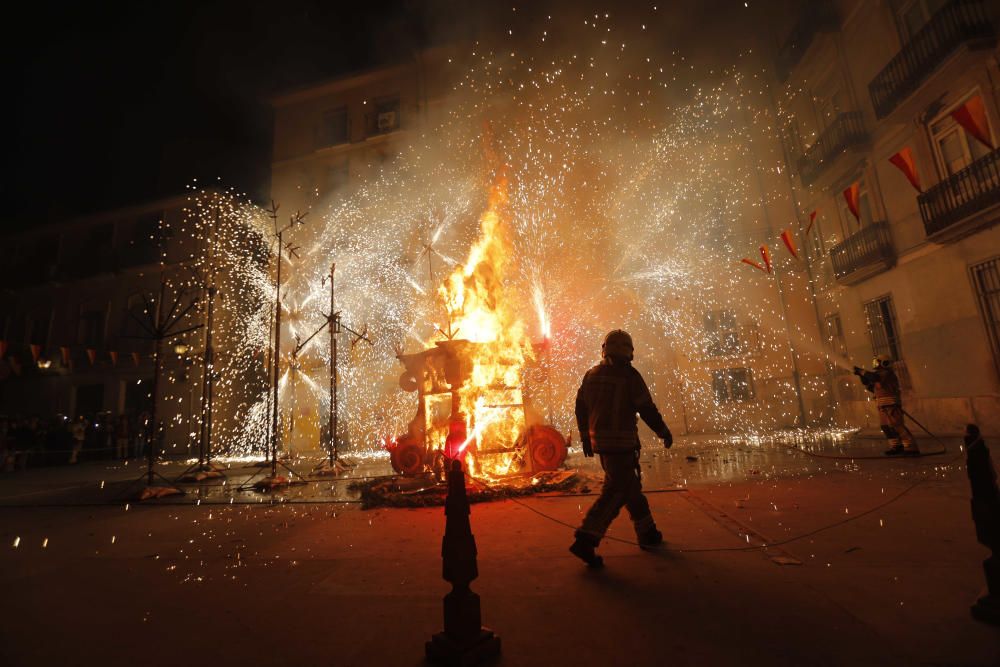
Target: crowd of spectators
(58,439)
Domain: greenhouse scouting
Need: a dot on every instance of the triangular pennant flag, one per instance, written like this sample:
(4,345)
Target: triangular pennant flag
(851,195)
(36,352)
(3,348)
(91,355)
(765,254)
(113,354)
(754,264)
(66,359)
(786,236)
(812,221)
(903,160)
(135,358)
(972,117)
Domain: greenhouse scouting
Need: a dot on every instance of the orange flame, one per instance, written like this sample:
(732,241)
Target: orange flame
(479,310)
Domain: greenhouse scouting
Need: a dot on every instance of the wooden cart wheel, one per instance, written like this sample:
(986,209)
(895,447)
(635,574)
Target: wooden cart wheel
(409,458)
(546,448)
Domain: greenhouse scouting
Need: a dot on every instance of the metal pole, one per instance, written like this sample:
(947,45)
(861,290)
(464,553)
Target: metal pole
(277,365)
(154,430)
(430,266)
(336,407)
(208,359)
(332,444)
(210,371)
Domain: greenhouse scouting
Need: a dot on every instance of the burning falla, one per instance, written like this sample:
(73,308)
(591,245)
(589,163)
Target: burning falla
(471,382)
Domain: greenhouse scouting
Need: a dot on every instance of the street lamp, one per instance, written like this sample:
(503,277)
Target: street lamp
(181,348)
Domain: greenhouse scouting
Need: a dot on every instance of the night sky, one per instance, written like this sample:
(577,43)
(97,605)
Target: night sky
(118,103)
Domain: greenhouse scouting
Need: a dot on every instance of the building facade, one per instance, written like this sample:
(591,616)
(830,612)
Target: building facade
(891,115)
(75,314)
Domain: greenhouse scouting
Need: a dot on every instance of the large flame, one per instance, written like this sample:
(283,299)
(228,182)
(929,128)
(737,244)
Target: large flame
(479,310)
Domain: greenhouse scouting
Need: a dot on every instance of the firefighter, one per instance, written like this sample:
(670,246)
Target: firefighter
(882,382)
(610,397)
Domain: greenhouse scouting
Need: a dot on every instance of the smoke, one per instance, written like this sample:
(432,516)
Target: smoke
(637,180)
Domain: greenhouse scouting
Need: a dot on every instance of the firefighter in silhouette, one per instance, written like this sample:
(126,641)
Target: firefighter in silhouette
(882,382)
(610,397)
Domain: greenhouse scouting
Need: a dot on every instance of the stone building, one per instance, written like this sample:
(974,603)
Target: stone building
(70,312)
(892,122)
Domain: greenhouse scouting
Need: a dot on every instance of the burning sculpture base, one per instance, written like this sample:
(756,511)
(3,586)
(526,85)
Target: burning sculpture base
(426,491)
(509,438)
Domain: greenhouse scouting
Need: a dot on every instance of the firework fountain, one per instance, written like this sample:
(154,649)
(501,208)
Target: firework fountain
(587,189)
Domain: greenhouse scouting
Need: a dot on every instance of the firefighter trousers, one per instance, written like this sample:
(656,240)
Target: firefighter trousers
(622,488)
(891,420)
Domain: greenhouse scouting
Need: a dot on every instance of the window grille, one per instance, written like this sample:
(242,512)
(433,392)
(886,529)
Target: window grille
(883,327)
(733,385)
(986,278)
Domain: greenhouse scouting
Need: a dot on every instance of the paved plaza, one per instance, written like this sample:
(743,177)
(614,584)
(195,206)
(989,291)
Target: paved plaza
(860,574)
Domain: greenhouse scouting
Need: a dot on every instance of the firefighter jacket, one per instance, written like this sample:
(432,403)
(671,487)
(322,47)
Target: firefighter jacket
(610,397)
(885,387)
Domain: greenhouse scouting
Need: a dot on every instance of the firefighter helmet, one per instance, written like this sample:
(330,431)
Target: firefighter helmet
(881,361)
(617,344)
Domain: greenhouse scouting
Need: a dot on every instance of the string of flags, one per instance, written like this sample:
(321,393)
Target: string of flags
(970,116)
(65,354)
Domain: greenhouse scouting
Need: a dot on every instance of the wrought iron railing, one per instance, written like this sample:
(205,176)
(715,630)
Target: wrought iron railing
(818,16)
(956,23)
(867,248)
(847,130)
(961,195)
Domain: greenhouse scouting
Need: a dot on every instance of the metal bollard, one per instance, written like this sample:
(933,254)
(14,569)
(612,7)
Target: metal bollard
(986,515)
(464,640)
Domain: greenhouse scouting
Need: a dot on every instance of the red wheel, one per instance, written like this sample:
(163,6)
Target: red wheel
(546,448)
(409,458)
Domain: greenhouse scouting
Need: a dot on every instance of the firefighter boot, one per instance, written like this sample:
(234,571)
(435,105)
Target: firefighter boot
(651,539)
(583,548)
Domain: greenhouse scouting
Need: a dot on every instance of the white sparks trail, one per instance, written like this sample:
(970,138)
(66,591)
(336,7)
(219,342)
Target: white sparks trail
(631,198)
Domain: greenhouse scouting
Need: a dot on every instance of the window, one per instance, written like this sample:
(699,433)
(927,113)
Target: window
(733,385)
(954,149)
(721,334)
(141,241)
(90,325)
(385,117)
(914,15)
(36,328)
(833,335)
(135,312)
(829,105)
(883,328)
(337,176)
(852,225)
(333,128)
(986,278)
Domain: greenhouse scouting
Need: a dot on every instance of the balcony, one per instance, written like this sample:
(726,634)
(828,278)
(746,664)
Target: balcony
(863,254)
(956,205)
(846,131)
(819,16)
(957,23)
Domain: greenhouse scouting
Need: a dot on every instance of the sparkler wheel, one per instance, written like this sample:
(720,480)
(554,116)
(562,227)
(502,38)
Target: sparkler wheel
(408,458)
(546,447)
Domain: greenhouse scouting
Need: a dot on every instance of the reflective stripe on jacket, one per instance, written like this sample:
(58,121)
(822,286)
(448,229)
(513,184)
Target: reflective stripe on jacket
(886,387)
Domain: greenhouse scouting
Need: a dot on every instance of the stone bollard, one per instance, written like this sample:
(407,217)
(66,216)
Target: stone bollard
(986,515)
(464,640)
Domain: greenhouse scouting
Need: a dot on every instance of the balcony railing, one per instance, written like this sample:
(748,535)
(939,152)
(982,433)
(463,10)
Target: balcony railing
(957,23)
(863,254)
(846,131)
(818,16)
(962,195)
